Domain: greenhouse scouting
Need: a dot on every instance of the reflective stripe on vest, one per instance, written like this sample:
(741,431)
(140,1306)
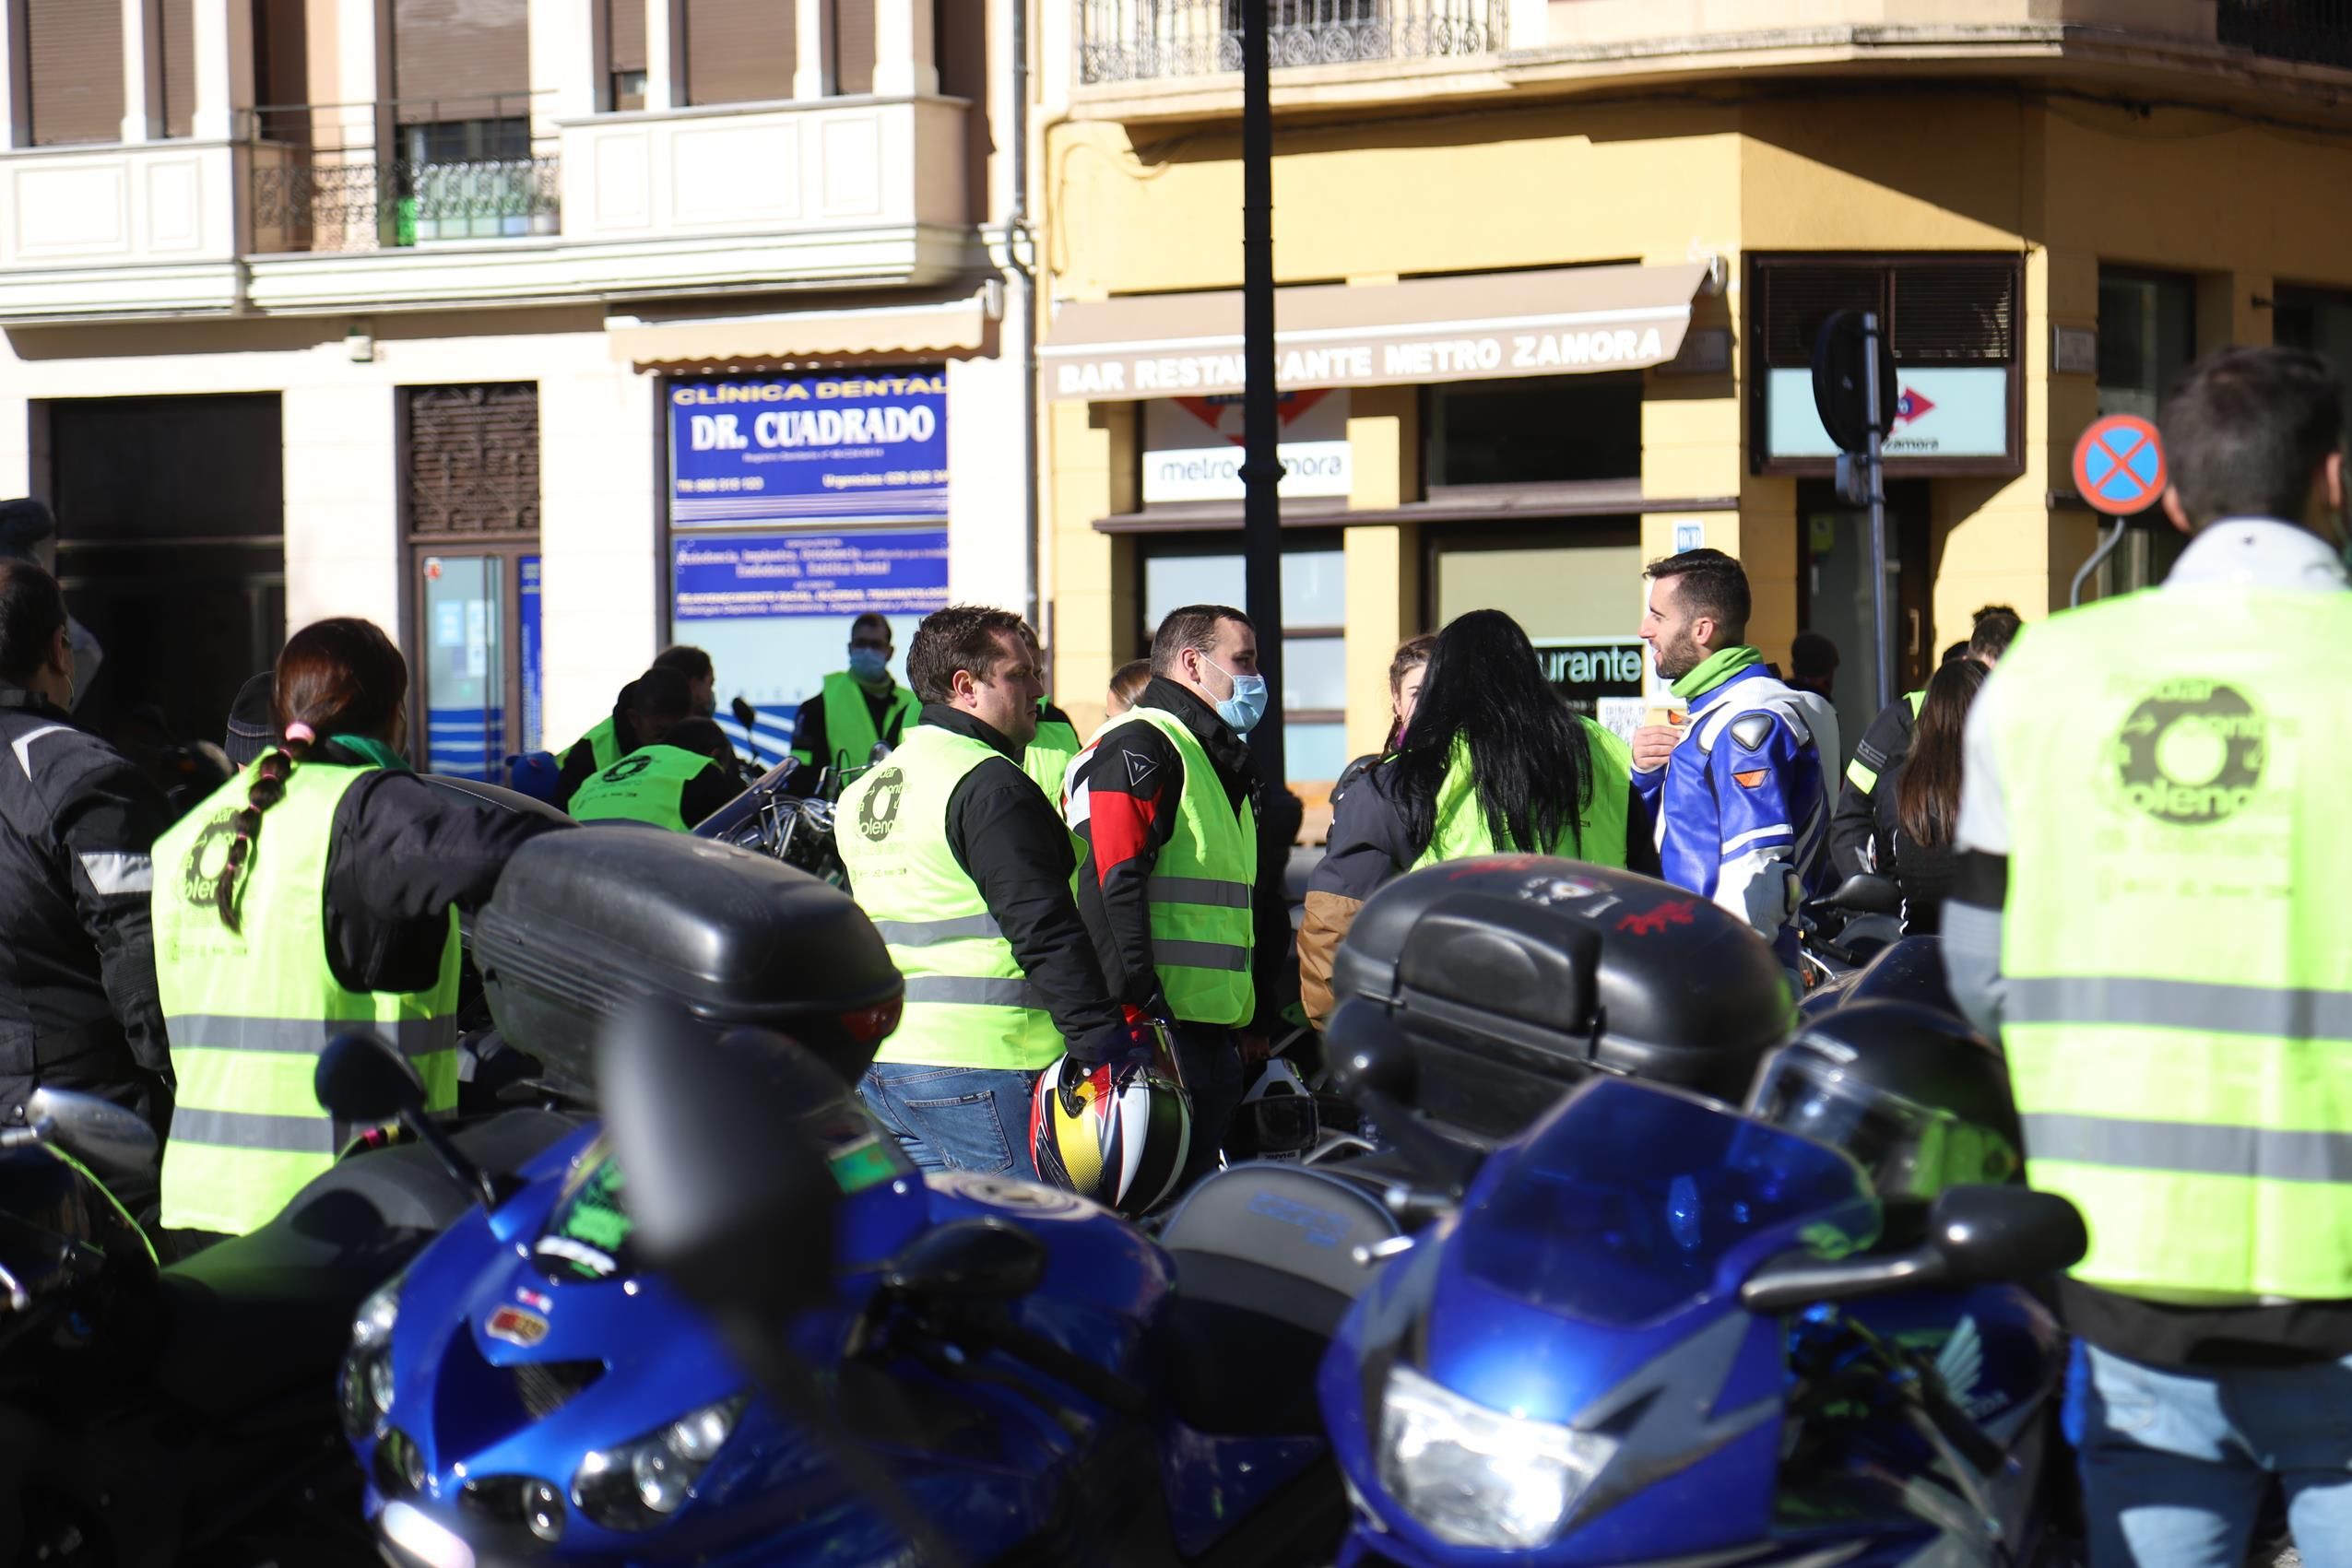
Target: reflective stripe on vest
(2178,956)
(968,1004)
(248,1011)
(1462,829)
(1199,888)
(647,785)
(1861,775)
(849,723)
(1049,757)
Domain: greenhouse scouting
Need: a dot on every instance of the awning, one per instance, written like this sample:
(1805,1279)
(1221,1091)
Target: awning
(1561,321)
(955,328)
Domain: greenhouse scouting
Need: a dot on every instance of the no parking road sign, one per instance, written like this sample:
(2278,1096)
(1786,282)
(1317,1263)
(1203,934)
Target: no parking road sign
(2119,465)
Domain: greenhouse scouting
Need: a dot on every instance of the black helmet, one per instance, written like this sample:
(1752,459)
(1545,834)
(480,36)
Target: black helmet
(1908,1092)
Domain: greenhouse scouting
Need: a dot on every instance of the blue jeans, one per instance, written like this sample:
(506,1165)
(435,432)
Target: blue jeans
(954,1118)
(2177,1463)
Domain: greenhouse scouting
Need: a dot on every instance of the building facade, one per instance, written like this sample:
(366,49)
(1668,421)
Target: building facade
(1549,276)
(541,331)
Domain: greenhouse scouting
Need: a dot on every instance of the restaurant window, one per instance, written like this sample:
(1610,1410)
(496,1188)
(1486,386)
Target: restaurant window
(1543,429)
(1574,587)
(2147,334)
(1195,572)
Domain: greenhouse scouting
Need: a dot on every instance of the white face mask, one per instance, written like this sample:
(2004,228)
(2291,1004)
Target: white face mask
(1247,703)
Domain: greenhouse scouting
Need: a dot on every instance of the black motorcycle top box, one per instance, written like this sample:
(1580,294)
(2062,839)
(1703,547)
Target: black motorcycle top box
(1515,978)
(584,923)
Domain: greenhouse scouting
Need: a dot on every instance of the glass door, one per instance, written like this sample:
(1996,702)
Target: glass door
(463,638)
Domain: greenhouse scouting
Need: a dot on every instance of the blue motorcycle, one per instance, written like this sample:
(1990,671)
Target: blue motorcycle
(1656,1329)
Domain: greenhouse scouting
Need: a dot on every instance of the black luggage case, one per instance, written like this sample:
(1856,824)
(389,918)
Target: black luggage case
(583,924)
(1515,978)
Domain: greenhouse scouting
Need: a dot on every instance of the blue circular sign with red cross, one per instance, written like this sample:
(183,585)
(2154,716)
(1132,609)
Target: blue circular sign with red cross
(2119,465)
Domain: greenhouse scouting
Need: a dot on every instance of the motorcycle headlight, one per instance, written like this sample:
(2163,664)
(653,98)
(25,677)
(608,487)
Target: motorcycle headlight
(639,1484)
(366,1390)
(1476,1477)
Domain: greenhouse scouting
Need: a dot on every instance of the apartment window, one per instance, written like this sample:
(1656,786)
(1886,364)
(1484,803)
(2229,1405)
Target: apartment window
(626,48)
(458,59)
(466,141)
(739,51)
(76,80)
(1537,430)
(2147,334)
(1193,571)
(628,89)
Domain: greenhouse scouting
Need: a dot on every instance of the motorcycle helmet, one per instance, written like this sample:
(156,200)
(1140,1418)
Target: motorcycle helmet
(1118,1133)
(1278,1119)
(1920,1101)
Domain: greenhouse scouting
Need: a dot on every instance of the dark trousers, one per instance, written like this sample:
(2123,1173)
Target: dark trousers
(1208,1060)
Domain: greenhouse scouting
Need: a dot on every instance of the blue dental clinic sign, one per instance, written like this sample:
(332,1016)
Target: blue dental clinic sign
(790,500)
(824,447)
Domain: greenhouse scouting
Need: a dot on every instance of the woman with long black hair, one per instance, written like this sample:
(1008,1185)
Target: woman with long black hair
(1493,760)
(1916,819)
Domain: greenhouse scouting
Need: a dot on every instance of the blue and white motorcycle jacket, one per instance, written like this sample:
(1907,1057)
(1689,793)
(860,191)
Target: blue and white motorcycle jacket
(1743,806)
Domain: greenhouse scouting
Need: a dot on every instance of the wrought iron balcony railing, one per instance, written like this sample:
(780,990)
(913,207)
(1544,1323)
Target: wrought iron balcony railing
(2317,32)
(339,201)
(1126,41)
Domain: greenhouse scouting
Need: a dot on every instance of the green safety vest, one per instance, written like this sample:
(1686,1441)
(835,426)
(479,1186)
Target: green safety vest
(2176,943)
(849,724)
(603,744)
(1049,757)
(1462,829)
(248,1011)
(1201,887)
(1865,777)
(647,785)
(968,1004)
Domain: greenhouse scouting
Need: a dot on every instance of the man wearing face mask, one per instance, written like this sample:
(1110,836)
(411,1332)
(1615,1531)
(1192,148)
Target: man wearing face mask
(857,708)
(965,867)
(1164,801)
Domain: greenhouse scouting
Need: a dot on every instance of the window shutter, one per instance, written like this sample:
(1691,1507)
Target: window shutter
(473,459)
(455,59)
(76,70)
(854,45)
(739,51)
(625,35)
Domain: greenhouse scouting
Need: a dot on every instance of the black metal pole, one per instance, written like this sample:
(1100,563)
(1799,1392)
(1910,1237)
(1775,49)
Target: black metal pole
(1261,468)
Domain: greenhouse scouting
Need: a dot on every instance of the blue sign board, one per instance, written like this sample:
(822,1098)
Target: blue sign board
(534,663)
(818,448)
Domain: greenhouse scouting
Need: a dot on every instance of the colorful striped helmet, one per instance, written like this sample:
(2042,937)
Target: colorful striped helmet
(1116,1133)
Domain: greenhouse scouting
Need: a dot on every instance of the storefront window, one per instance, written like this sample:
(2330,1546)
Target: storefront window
(2147,334)
(1547,429)
(2317,319)
(1314,634)
(1574,587)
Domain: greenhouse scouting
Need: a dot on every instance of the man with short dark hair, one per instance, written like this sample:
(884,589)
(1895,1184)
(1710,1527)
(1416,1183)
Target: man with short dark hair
(2153,912)
(78,1007)
(856,710)
(1865,797)
(687,772)
(965,867)
(618,733)
(1165,801)
(1737,786)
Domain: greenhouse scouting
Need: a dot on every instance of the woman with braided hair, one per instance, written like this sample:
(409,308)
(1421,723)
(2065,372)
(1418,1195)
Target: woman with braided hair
(315,891)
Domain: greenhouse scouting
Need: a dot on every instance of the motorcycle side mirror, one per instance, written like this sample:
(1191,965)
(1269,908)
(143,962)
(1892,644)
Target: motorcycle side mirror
(1976,1236)
(745,715)
(361,1077)
(730,1195)
(880,751)
(967,1259)
(1865,894)
(94,1131)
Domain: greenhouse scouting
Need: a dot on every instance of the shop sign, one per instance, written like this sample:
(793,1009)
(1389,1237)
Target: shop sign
(1600,676)
(816,448)
(1193,447)
(1939,414)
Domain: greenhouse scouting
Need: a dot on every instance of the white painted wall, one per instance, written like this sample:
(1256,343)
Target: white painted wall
(986,562)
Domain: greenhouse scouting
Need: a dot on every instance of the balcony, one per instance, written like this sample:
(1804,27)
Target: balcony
(1132,41)
(303,214)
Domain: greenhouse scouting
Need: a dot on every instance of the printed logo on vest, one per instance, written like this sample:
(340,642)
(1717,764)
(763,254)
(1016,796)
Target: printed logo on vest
(201,875)
(879,813)
(627,768)
(2192,752)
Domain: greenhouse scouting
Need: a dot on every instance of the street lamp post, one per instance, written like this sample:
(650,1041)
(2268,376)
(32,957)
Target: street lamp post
(1261,468)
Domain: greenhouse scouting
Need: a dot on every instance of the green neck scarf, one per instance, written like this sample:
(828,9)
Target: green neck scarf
(375,751)
(1720,668)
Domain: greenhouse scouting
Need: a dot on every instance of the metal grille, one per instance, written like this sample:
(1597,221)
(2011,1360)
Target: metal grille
(473,459)
(546,1387)
(1121,41)
(336,203)
(1936,312)
(2317,32)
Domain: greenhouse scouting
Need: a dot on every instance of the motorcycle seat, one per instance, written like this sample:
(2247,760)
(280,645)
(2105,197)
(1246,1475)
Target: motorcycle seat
(1265,1266)
(268,1313)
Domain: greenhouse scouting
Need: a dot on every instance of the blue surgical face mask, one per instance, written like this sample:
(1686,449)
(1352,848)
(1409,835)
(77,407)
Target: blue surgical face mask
(868,665)
(1246,706)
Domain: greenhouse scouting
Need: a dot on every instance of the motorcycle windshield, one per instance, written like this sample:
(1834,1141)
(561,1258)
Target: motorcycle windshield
(738,821)
(1621,1208)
